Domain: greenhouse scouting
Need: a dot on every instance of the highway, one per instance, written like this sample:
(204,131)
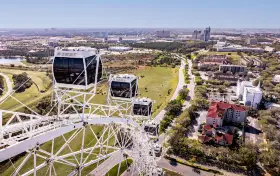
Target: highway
(9,86)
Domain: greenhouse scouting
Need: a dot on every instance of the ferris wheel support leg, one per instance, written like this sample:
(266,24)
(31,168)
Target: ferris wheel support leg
(82,150)
(1,121)
(22,163)
(35,165)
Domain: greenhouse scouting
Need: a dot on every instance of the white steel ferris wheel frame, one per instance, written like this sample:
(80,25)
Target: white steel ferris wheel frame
(34,136)
(27,132)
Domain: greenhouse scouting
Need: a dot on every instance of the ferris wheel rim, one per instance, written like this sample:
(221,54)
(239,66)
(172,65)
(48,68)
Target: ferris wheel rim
(119,126)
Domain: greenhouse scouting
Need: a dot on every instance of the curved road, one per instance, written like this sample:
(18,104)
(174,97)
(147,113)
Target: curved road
(9,86)
(180,85)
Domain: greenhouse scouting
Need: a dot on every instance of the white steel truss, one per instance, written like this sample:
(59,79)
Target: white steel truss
(121,138)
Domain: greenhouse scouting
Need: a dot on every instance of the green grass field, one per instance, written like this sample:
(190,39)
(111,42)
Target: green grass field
(38,90)
(124,165)
(39,78)
(158,81)
(26,63)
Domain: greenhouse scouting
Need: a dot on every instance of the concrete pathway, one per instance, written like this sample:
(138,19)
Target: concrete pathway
(9,86)
(108,164)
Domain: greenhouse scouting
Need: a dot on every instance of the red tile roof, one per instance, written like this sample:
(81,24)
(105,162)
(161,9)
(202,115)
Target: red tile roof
(218,108)
(228,138)
(204,138)
(207,127)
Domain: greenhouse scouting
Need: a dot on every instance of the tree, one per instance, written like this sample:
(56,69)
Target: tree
(256,82)
(227,84)
(183,93)
(248,155)
(22,82)
(174,107)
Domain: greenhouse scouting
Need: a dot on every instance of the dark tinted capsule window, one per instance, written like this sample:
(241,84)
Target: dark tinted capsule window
(120,89)
(69,70)
(143,110)
(91,64)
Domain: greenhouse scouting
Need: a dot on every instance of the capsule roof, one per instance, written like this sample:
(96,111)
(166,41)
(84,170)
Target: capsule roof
(123,77)
(152,123)
(75,52)
(143,101)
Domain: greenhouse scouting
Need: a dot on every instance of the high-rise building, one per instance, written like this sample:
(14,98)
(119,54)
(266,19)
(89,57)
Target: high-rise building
(204,36)
(196,34)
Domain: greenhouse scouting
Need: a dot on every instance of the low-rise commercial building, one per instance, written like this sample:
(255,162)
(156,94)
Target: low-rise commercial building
(226,47)
(252,41)
(248,94)
(224,77)
(232,68)
(214,60)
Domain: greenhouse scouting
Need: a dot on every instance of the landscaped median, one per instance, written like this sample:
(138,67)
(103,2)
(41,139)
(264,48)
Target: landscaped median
(181,161)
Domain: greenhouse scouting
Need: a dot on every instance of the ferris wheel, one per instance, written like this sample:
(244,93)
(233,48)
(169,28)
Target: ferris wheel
(105,136)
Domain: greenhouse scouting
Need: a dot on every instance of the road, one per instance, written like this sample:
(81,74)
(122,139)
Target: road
(9,86)
(181,169)
(104,167)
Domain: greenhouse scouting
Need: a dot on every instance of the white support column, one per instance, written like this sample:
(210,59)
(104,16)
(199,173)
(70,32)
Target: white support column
(1,121)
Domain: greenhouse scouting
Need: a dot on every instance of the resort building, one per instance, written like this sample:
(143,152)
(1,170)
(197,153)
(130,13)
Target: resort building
(219,112)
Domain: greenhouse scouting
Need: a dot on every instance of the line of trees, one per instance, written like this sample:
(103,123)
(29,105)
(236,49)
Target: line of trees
(181,47)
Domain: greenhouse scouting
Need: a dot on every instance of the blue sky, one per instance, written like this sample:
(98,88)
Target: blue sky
(139,13)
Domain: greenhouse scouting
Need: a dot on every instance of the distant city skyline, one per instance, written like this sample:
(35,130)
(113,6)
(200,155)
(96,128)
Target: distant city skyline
(140,14)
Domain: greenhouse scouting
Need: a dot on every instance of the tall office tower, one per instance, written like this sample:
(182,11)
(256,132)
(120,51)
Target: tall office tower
(207,32)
